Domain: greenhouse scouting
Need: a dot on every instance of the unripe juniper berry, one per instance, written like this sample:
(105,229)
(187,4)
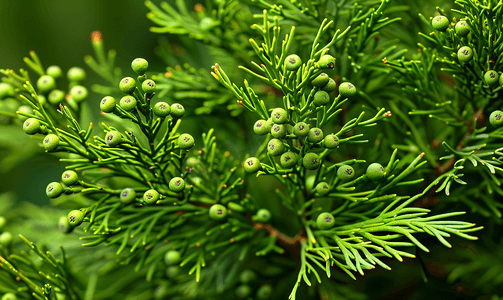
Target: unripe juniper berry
(78,93)
(321,98)
(54,71)
(322,188)
(375,172)
(440,23)
(185,141)
(9,296)
(275,147)
(330,86)
(51,142)
(311,161)
(177,110)
(315,135)
(247,276)
(69,177)
(56,96)
(45,84)
(326,62)
(162,109)
(325,221)
(107,104)
(321,80)
(5,238)
(269,124)
(260,127)
(64,225)
(6,90)
(76,217)
(206,23)
(3,221)
(465,54)
(345,172)
(252,165)
(139,65)
(264,292)
(496,118)
(128,103)
(113,138)
(151,196)
(288,160)
(172,271)
(127,85)
(24,109)
(218,212)
(31,126)
(243,291)
(462,28)
(172,257)
(148,86)
(128,195)
(301,129)
(491,77)
(293,62)
(279,116)
(262,216)
(76,75)
(347,89)
(176,184)
(278,131)
(54,190)
(331,141)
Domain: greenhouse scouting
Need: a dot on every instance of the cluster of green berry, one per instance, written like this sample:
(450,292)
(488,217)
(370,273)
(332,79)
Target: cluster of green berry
(5,236)
(247,280)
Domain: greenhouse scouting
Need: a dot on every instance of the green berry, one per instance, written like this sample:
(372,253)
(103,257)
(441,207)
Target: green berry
(54,71)
(279,116)
(76,74)
(345,172)
(3,221)
(262,216)
(192,162)
(172,257)
(325,221)
(151,196)
(326,62)
(56,96)
(148,86)
(462,28)
(491,77)
(107,104)
(31,126)
(264,292)
(321,80)
(177,110)
(206,23)
(260,127)
(69,177)
(322,188)
(243,291)
(321,98)
(440,23)
(139,65)
(218,212)
(5,238)
(176,184)
(247,276)
(54,190)
(278,131)
(293,62)
(330,86)
(127,85)
(315,135)
(113,138)
(64,225)
(347,89)
(128,195)
(301,129)
(172,271)
(288,160)
(269,124)
(311,161)
(41,99)
(496,118)
(9,296)
(51,142)
(128,103)
(275,147)
(375,172)
(501,80)
(465,54)
(78,93)
(45,84)
(252,165)
(25,109)
(185,141)
(331,141)
(6,90)
(162,109)
(76,217)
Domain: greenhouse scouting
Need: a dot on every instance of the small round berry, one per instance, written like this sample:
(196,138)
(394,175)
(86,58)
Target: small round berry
(247,276)
(9,296)
(218,212)
(78,93)
(322,188)
(3,221)
(176,184)
(330,86)
(31,126)
(252,165)
(293,62)
(325,221)
(243,291)
(262,216)
(327,62)
(148,86)
(56,96)
(113,138)
(172,257)
(315,135)
(192,162)
(41,99)
(321,80)
(185,141)
(347,89)
(107,104)
(128,103)
(5,238)
(54,190)
(269,124)
(491,77)
(177,110)
(25,109)
(6,90)
(501,80)
(128,195)
(45,84)
(162,109)
(139,65)
(64,225)
(288,160)
(260,127)
(54,71)
(151,196)
(321,98)
(331,141)
(345,172)
(51,142)
(206,23)
(76,217)
(264,292)
(279,116)
(76,74)
(375,172)
(127,85)
(172,271)
(275,147)
(278,131)
(462,28)
(465,54)
(440,23)
(301,129)
(311,161)
(69,177)
(496,118)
